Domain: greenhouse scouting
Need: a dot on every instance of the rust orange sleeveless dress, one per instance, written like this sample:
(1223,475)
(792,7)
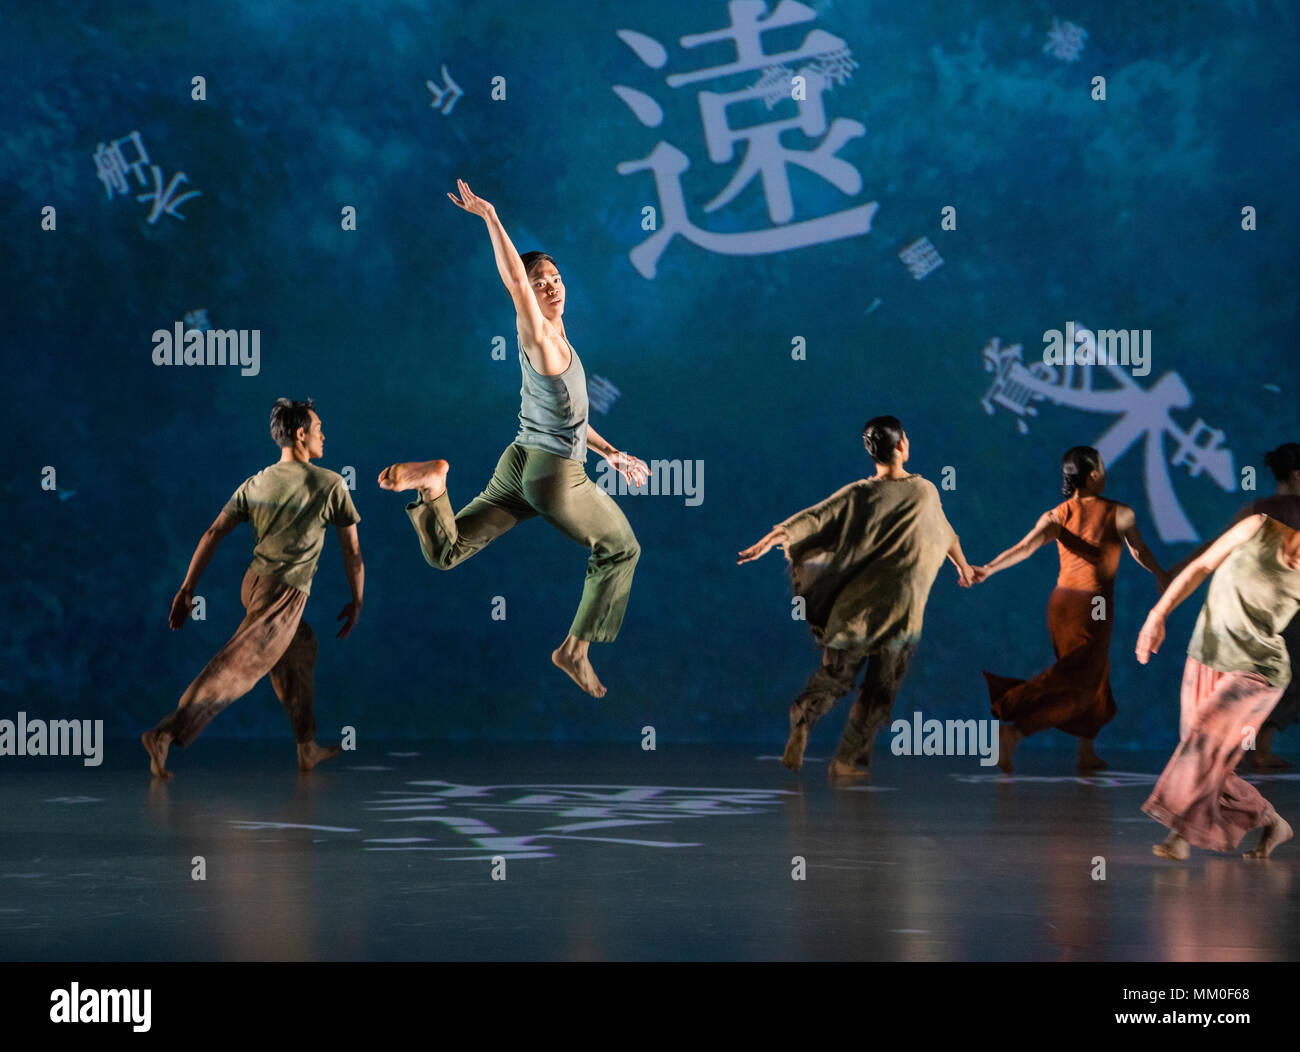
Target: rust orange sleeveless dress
(1074,694)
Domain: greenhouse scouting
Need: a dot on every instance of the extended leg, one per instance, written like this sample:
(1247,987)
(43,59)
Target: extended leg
(447,539)
(873,707)
(832,680)
(561,492)
(274,611)
(293,679)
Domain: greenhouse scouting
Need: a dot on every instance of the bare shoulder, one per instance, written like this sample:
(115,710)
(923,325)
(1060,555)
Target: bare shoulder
(544,347)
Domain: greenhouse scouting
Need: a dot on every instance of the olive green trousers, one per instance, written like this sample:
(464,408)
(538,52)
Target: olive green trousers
(529,482)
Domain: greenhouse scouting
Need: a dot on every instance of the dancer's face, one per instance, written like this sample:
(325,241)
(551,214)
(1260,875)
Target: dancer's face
(548,287)
(313,437)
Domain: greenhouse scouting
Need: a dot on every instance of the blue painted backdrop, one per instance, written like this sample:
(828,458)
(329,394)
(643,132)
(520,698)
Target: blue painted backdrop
(1124,212)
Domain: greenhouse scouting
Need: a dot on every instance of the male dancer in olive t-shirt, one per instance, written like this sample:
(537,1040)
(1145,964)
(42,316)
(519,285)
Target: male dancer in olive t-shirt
(289,504)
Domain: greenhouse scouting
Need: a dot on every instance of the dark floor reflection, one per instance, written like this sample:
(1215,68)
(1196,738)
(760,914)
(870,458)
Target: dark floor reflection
(685,854)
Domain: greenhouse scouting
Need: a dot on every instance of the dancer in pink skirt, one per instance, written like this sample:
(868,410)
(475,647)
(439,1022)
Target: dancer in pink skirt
(1237,668)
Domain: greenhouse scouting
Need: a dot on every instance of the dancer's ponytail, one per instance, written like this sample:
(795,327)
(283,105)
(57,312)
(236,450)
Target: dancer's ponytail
(1077,464)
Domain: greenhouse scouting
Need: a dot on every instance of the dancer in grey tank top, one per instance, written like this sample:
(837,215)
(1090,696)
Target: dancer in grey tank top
(541,472)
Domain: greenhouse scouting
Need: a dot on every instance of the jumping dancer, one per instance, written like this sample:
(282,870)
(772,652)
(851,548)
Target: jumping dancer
(541,472)
(864,561)
(289,505)
(1073,695)
(1284,506)
(1237,668)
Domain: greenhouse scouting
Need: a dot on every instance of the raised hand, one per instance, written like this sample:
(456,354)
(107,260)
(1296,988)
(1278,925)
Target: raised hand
(470,202)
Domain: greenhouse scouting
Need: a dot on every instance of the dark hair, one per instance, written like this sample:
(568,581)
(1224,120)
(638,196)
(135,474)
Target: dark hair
(287,417)
(1284,460)
(531,259)
(1076,465)
(881,435)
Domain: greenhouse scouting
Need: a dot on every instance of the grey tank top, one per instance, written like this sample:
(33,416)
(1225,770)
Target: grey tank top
(553,409)
(1251,598)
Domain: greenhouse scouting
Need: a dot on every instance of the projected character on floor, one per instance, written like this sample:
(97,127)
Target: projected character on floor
(541,472)
(863,562)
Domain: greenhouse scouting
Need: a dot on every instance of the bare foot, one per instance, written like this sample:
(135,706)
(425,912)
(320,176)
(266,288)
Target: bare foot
(1173,846)
(578,668)
(793,755)
(1008,739)
(846,769)
(155,745)
(430,475)
(1278,831)
(310,754)
(1088,758)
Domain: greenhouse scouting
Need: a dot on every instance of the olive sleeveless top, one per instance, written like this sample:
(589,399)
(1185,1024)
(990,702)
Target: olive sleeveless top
(553,409)
(1251,598)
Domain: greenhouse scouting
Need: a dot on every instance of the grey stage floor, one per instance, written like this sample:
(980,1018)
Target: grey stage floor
(612,853)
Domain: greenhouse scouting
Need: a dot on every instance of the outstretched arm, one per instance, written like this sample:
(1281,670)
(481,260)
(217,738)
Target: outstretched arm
(635,470)
(775,537)
(509,266)
(1153,632)
(1046,529)
(184,600)
(1126,523)
(356,571)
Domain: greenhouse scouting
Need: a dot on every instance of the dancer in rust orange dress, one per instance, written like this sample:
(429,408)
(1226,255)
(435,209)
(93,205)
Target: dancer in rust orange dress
(1073,695)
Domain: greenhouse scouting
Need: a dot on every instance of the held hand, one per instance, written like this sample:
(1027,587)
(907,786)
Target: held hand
(635,470)
(181,607)
(980,574)
(1150,638)
(966,575)
(776,536)
(470,202)
(352,611)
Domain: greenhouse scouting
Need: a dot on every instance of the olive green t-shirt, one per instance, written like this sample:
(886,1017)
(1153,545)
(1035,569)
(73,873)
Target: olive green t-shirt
(289,504)
(864,561)
(1252,597)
